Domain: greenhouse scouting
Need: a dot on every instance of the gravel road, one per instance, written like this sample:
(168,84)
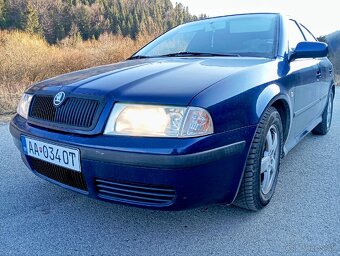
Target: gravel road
(38,218)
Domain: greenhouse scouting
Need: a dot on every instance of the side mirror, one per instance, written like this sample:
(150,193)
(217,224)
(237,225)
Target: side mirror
(309,50)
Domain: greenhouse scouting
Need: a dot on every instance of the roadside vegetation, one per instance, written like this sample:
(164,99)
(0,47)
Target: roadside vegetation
(333,41)
(26,59)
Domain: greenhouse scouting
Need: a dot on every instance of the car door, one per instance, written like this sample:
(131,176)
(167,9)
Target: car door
(305,76)
(325,71)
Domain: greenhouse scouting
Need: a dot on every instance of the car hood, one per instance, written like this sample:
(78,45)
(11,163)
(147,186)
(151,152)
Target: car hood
(156,80)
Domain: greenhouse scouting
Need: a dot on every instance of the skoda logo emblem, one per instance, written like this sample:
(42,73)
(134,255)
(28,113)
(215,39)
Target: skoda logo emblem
(59,99)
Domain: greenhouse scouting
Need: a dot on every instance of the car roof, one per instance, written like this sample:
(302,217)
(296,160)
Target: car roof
(239,14)
(281,14)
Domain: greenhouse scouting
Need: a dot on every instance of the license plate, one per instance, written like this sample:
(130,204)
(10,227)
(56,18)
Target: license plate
(62,156)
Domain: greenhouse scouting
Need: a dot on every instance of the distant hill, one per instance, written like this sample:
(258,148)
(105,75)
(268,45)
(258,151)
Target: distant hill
(88,19)
(333,41)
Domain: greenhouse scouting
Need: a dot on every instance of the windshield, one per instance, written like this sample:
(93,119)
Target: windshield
(251,35)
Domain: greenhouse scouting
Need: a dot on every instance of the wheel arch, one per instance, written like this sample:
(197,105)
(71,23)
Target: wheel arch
(274,96)
(283,108)
(280,101)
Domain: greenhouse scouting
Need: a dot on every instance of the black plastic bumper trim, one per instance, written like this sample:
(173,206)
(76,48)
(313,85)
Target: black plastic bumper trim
(164,161)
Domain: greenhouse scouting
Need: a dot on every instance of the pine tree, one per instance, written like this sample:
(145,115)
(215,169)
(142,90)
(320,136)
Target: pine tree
(31,21)
(2,13)
(135,25)
(74,35)
(119,30)
(83,20)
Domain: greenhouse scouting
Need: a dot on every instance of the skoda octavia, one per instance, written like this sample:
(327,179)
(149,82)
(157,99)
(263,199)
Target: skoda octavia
(203,114)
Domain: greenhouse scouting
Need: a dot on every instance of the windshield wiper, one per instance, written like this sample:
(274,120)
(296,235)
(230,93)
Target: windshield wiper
(136,57)
(185,54)
(200,54)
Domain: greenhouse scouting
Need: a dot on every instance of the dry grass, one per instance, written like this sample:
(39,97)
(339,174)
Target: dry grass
(26,59)
(337,80)
(4,119)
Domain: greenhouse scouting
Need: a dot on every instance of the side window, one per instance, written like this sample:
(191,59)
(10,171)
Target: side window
(294,34)
(308,35)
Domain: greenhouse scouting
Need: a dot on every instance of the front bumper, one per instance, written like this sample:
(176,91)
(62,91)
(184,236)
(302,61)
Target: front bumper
(141,171)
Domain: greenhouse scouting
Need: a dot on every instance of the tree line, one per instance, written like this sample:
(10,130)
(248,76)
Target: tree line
(333,41)
(88,19)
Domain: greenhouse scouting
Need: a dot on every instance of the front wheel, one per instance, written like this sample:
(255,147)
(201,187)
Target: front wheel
(262,167)
(325,125)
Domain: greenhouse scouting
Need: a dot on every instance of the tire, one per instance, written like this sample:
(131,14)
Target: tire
(325,125)
(262,167)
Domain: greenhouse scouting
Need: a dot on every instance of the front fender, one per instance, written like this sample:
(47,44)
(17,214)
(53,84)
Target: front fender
(240,99)
(246,108)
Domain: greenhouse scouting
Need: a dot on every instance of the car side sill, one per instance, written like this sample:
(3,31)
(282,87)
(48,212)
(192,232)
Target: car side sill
(293,142)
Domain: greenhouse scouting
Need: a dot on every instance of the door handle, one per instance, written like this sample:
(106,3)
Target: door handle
(318,74)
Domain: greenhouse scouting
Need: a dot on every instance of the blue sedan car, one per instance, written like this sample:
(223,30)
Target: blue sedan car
(203,114)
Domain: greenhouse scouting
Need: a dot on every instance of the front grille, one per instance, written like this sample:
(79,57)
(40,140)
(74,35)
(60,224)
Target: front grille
(135,193)
(76,112)
(57,173)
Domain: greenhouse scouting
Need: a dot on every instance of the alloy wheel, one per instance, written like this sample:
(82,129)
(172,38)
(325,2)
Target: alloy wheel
(270,160)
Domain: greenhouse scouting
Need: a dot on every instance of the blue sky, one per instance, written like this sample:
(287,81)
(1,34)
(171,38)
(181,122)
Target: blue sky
(321,17)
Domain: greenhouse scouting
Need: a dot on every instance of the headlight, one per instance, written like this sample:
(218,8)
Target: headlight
(24,105)
(158,121)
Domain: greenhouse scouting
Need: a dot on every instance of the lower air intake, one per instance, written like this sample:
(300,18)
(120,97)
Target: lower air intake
(135,193)
(60,174)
